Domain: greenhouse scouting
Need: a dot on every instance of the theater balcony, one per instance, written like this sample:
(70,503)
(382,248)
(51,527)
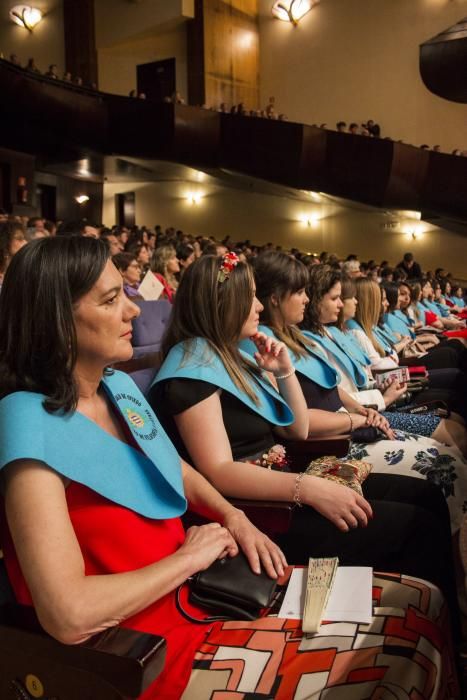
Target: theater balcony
(58,121)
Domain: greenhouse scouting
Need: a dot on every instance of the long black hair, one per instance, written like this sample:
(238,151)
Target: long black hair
(38,347)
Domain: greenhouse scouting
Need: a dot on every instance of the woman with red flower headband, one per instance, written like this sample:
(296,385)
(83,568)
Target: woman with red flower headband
(225,416)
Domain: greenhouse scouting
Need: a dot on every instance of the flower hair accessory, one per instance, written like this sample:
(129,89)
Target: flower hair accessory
(274,458)
(229,261)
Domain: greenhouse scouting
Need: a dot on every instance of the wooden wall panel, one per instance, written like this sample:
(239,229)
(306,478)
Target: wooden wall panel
(227,31)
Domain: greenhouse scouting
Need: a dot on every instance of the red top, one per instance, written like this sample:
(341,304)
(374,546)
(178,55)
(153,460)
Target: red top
(114,539)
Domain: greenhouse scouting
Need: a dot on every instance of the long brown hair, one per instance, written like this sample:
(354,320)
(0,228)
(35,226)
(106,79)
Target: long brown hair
(348,291)
(322,280)
(369,309)
(216,311)
(278,274)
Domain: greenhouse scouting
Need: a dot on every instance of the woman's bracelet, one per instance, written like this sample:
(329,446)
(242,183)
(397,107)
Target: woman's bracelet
(285,376)
(351,423)
(296,494)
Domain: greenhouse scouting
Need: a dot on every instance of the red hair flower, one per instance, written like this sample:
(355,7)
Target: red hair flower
(229,261)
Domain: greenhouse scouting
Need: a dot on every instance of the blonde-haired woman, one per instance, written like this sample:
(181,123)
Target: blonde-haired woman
(165,266)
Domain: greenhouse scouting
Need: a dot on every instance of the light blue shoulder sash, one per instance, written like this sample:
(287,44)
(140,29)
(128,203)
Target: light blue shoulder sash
(409,322)
(432,306)
(148,482)
(349,363)
(385,337)
(397,325)
(349,343)
(422,310)
(312,365)
(197,360)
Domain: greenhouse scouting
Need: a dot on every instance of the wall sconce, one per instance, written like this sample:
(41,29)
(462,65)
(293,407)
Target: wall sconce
(292,10)
(194,197)
(82,198)
(309,219)
(25,16)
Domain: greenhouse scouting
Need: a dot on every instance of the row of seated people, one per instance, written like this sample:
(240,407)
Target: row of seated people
(92,535)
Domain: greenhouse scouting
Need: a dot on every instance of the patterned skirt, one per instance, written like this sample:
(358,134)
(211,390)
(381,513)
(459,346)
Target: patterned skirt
(422,458)
(404,653)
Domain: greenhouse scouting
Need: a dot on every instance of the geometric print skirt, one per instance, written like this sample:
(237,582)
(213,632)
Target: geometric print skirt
(405,653)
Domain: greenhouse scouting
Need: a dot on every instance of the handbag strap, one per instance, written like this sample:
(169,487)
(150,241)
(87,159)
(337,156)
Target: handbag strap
(191,618)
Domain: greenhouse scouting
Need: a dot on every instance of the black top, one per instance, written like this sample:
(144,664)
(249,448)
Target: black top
(249,434)
(318,397)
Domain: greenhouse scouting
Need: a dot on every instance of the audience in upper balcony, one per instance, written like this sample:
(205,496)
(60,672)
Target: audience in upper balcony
(31,65)
(12,239)
(52,72)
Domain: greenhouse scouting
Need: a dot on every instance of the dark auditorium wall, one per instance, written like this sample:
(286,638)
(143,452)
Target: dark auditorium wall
(359,59)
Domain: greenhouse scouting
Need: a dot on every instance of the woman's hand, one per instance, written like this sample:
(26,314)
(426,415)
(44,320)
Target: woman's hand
(339,504)
(392,390)
(207,543)
(376,420)
(257,547)
(272,355)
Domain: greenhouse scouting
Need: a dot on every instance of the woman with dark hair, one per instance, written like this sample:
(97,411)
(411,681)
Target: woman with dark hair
(224,413)
(12,239)
(91,535)
(185,256)
(130,270)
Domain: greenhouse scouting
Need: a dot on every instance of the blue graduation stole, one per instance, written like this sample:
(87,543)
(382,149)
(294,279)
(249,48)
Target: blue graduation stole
(409,322)
(385,336)
(442,310)
(457,301)
(422,311)
(350,345)
(196,359)
(312,365)
(431,306)
(348,362)
(397,325)
(148,482)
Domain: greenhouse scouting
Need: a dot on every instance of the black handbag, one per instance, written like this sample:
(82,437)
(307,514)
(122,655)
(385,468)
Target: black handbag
(229,587)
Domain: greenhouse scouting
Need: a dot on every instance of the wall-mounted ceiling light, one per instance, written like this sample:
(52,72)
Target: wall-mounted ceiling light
(25,16)
(309,219)
(194,197)
(292,10)
(82,198)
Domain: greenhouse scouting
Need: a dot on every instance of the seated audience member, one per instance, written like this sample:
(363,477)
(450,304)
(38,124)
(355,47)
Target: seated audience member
(353,128)
(67,78)
(52,72)
(185,256)
(341,127)
(78,228)
(222,410)
(165,266)
(411,268)
(31,66)
(15,60)
(457,296)
(115,246)
(387,274)
(12,239)
(351,268)
(130,270)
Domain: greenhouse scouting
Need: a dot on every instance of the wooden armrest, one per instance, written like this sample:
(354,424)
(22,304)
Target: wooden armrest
(272,517)
(127,660)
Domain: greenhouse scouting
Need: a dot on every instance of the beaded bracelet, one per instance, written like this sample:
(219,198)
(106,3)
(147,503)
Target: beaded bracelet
(286,376)
(296,494)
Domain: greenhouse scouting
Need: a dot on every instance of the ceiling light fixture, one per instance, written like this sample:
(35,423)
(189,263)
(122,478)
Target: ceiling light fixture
(25,16)
(82,198)
(292,10)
